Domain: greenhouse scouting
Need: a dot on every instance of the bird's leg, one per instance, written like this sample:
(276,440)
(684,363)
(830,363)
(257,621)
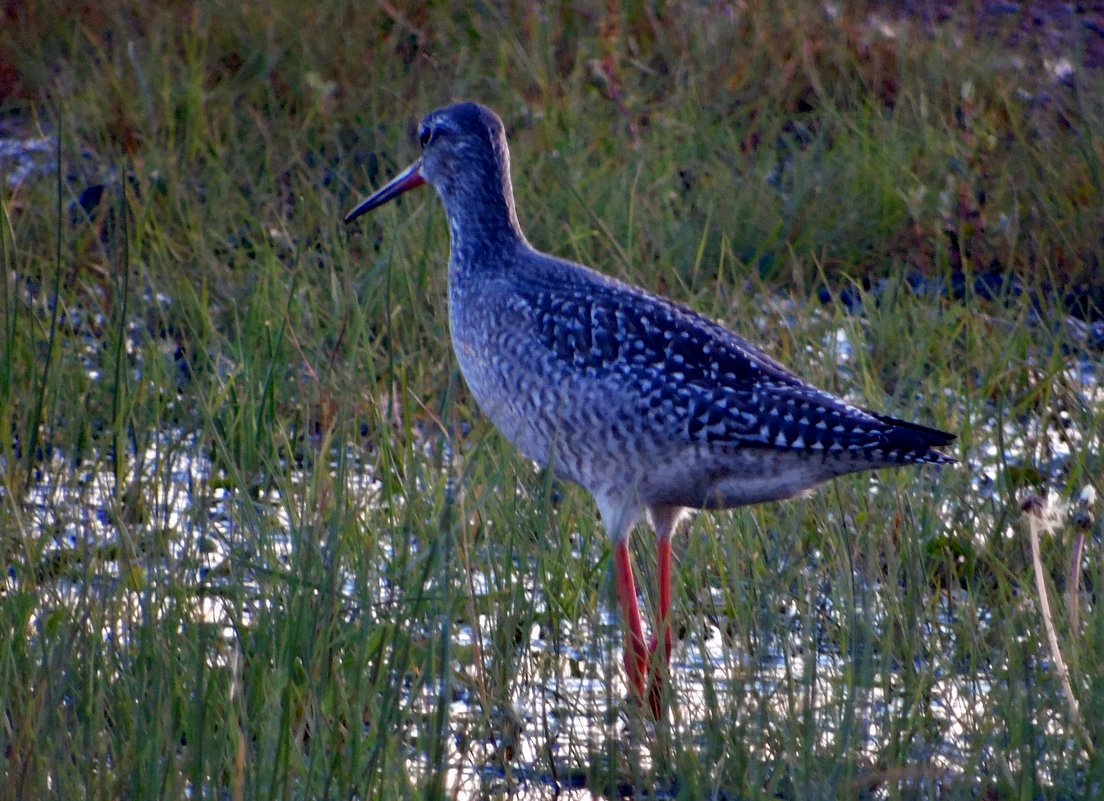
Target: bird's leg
(665,521)
(656,668)
(636,657)
(663,576)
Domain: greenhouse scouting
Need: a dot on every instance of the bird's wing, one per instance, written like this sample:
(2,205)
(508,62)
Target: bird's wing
(696,376)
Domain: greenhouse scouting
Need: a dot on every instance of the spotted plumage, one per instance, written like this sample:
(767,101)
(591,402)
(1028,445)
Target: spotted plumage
(648,405)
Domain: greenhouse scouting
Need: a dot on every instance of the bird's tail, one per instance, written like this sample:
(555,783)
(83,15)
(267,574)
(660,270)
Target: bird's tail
(916,442)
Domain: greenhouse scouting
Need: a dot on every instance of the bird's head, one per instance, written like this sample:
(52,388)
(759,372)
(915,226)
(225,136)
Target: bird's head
(464,157)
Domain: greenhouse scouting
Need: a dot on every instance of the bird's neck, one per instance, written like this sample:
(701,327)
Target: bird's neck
(483,230)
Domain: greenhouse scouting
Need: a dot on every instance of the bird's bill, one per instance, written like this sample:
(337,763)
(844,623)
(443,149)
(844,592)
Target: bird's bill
(407,179)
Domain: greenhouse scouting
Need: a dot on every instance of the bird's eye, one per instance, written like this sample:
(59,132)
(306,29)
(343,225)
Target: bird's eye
(425,136)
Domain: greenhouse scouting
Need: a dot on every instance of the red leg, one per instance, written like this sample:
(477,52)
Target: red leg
(636,657)
(663,576)
(657,669)
(666,520)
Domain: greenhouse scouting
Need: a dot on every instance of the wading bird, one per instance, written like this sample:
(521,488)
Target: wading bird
(651,407)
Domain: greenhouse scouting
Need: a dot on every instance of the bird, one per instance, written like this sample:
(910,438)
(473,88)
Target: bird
(652,408)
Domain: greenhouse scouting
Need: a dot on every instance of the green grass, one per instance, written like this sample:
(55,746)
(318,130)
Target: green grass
(260,543)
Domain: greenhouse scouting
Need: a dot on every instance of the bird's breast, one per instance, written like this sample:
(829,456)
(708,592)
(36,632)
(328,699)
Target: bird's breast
(580,422)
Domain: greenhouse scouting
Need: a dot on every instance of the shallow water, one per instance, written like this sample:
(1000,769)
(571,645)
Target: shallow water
(567,728)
